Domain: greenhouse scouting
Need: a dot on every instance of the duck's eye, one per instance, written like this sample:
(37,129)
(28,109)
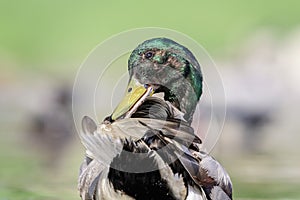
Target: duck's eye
(149,54)
(129,90)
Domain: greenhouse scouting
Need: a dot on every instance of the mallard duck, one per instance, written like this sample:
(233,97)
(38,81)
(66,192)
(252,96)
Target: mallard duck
(147,149)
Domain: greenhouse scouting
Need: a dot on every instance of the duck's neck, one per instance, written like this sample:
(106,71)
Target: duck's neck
(184,100)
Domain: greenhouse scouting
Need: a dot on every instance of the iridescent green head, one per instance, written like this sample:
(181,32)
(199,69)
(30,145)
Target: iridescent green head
(164,66)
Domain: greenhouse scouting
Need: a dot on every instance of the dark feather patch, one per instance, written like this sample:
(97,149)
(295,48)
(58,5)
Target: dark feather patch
(187,69)
(144,185)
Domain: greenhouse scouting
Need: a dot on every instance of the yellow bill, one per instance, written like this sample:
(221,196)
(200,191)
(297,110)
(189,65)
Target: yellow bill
(135,95)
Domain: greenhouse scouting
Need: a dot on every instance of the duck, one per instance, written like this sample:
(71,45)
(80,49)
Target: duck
(147,149)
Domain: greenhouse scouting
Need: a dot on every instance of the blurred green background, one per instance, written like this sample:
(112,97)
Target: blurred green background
(42,44)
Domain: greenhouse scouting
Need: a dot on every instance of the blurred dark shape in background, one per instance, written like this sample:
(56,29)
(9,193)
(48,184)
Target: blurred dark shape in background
(252,122)
(52,129)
